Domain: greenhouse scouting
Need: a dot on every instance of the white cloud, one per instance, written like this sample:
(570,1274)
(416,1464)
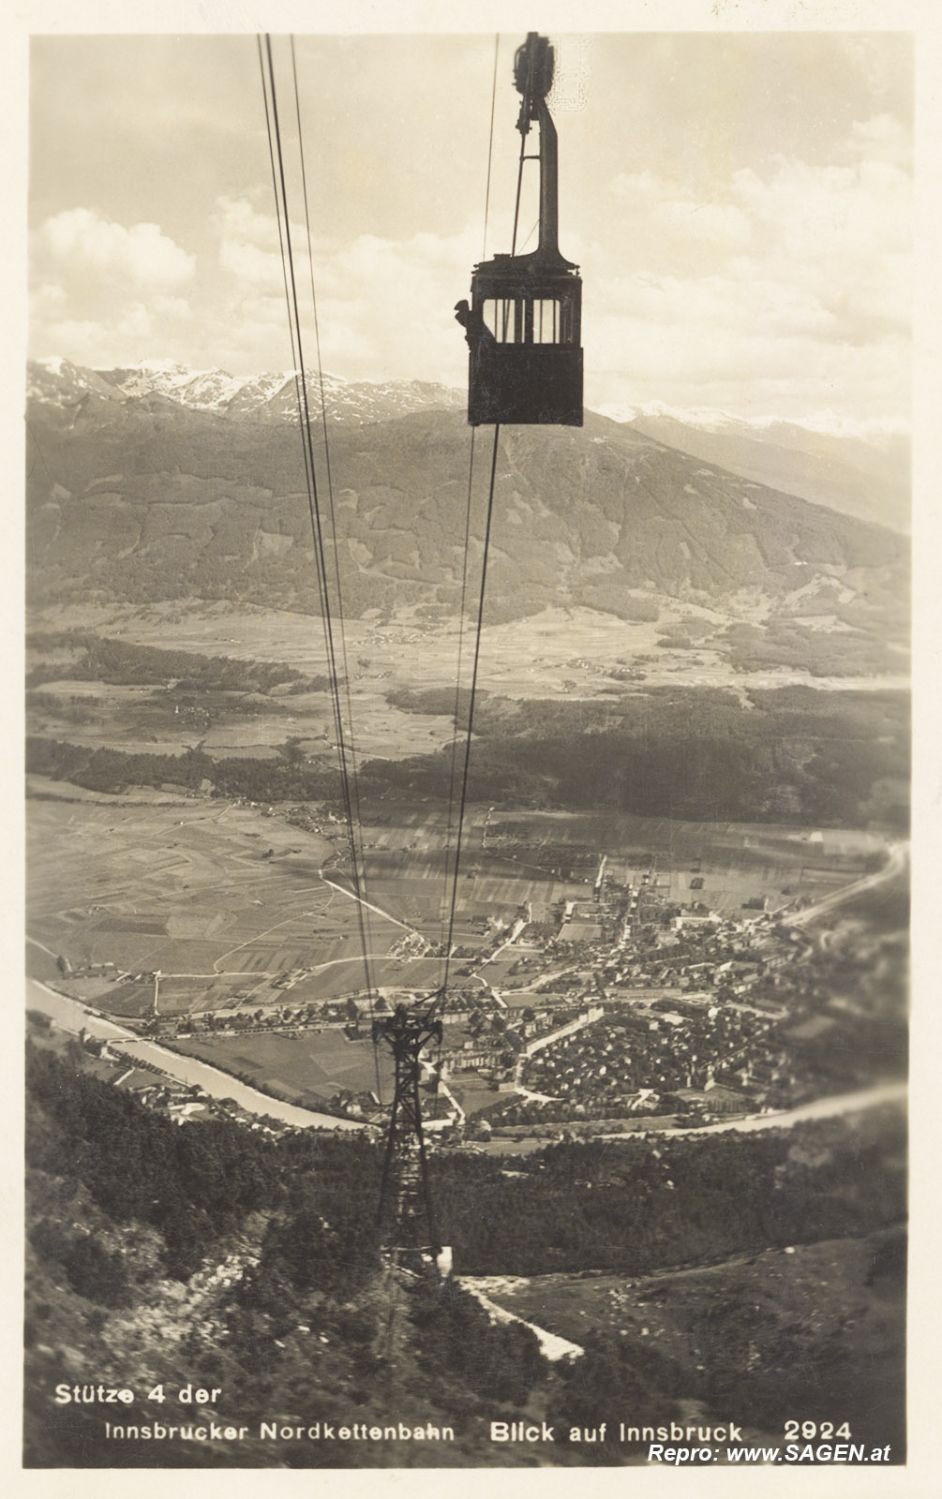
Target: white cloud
(815,213)
(48,299)
(235,218)
(384,306)
(136,322)
(884,138)
(731,365)
(785,287)
(249,246)
(173,307)
(80,339)
(247,242)
(391,301)
(721,224)
(663,208)
(250,263)
(103,289)
(721,301)
(81,237)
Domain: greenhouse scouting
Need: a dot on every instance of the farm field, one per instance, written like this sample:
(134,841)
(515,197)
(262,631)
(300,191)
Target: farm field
(309,1066)
(474,1093)
(346,976)
(189,888)
(306,1069)
(751,842)
(222,899)
(734,861)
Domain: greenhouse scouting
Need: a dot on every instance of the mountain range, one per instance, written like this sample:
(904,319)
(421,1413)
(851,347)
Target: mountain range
(158,483)
(269,397)
(865,476)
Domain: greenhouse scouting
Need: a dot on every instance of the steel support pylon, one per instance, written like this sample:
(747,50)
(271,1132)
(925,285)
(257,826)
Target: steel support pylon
(407,1220)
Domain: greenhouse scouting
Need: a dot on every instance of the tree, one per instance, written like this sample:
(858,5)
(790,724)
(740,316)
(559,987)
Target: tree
(292,751)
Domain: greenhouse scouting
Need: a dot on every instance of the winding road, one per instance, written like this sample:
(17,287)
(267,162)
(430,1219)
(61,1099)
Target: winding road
(818,1108)
(897,858)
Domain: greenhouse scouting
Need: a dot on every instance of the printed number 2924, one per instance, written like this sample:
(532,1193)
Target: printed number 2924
(810,1431)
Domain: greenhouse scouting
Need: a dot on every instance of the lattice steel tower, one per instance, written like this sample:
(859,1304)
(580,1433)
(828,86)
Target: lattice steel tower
(407,1220)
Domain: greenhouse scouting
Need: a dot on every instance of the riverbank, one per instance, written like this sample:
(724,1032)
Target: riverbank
(71,1015)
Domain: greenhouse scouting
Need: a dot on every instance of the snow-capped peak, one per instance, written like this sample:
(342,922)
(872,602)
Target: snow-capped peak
(754,424)
(55,381)
(271,396)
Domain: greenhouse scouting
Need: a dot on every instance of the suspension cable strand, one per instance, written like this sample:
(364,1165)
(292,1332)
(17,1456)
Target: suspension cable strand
(453,771)
(467,542)
(522,158)
(409,1032)
(330,483)
(310,479)
(356,821)
(532,231)
(304,414)
(523,147)
(291,296)
(490,147)
(316,521)
(471,701)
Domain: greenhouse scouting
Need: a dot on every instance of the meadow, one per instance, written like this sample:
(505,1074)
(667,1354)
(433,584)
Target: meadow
(195,888)
(306,1069)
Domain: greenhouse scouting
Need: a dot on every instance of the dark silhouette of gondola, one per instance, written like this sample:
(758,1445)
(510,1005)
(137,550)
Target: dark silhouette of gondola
(523,323)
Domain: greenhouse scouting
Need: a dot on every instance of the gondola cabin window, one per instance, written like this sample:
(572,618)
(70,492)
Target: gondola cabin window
(527,320)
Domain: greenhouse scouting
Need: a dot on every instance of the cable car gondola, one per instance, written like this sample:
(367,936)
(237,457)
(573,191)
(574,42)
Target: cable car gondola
(523,323)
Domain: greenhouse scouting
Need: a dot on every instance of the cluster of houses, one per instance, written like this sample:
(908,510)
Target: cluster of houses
(130,1074)
(664,1062)
(679,1009)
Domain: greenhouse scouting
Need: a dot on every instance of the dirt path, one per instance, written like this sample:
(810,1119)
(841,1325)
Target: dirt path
(552,1346)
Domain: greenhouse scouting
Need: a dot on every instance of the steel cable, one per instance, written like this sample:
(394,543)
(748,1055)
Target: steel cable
(294,321)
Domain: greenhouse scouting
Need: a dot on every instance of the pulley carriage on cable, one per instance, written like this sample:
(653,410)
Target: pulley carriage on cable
(524,321)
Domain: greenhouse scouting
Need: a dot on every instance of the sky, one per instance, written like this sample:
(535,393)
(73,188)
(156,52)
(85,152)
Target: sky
(739,204)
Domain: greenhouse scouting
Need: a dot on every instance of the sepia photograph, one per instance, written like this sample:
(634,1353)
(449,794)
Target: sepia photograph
(468,739)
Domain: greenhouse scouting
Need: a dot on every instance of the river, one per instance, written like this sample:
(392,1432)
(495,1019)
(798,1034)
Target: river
(71,1015)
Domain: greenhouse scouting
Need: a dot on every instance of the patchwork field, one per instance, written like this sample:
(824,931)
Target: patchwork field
(227,724)
(221,899)
(306,1069)
(733,862)
(197,889)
